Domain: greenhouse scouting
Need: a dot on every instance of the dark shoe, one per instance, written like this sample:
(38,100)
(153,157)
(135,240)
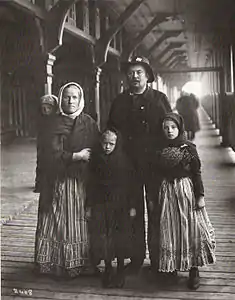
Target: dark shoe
(154,267)
(133,268)
(173,274)
(194,279)
(96,271)
(107,278)
(119,280)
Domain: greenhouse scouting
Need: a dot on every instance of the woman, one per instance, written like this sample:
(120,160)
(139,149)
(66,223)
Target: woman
(61,238)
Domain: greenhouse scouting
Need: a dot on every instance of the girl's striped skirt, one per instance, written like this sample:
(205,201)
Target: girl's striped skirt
(186,236)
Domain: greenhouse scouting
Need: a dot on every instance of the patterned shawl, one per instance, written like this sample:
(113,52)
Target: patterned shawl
(174,151)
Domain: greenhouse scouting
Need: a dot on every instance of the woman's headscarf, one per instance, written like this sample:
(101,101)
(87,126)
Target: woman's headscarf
(178,120)
(81,100)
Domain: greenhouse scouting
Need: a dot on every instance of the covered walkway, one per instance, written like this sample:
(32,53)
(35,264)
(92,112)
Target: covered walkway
(217,282)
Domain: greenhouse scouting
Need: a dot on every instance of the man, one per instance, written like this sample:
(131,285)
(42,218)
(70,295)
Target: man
(137,114)
(187,106)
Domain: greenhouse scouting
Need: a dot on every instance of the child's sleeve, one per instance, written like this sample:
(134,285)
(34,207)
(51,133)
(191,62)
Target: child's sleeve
(196,173)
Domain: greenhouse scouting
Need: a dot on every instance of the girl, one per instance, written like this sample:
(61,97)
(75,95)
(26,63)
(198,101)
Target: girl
(62,246)
(186,236)
(47,115)
(110,207)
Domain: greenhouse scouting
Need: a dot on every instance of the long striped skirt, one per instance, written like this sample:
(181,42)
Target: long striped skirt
(187,238)
(61,244)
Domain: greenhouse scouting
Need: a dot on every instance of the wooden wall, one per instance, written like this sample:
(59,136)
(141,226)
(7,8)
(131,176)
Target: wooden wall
(21,82)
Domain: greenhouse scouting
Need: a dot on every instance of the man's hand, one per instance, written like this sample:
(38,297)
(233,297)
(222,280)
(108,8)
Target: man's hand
(132,212)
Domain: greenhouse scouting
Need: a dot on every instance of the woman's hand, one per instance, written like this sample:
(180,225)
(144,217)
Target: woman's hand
(200,203)
(84,154)
(132,212)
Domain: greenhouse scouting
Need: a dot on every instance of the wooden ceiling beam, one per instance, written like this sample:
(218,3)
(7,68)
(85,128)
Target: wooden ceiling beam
(159,18)
(170,46)
(55,24)
(101,47)
(175,61)
(31,8)
(172,64)
(191,70)
(170,58)
(169,65)
(163,37)
(173,55)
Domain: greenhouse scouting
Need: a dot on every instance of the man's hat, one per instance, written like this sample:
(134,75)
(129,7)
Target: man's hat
(139,60)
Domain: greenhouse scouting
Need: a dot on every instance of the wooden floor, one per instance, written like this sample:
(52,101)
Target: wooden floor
(18,161)
(217,282)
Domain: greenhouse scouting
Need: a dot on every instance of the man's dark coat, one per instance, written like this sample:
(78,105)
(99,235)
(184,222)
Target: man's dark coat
(139,120)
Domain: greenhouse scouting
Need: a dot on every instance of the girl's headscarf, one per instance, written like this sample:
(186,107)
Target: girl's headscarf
(81,100)
(178,120)
(111,161)
(118,145)
(49,99)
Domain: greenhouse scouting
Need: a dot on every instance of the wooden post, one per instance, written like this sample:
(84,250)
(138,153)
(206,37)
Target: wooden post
(85,16)
(49,74)
(216,91)
(223,110)
(97,94)
(20,112)
(97,21)
(232,68)
(0,79)
(121,86)
(213,86)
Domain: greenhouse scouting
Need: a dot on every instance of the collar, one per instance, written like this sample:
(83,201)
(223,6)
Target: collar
(146,92)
